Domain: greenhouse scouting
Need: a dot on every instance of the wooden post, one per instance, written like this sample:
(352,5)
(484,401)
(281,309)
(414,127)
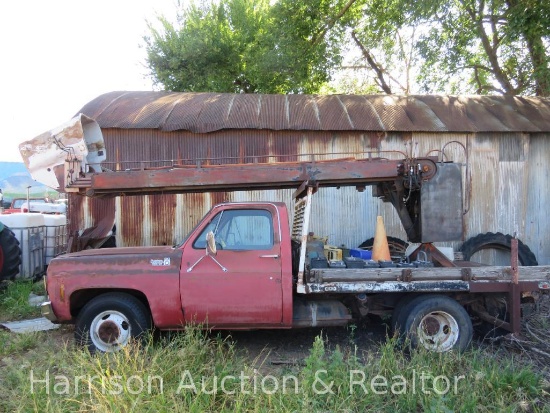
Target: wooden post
(514,298)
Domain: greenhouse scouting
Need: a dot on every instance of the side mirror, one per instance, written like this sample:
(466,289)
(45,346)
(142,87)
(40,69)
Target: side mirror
(211,244)
(210,252)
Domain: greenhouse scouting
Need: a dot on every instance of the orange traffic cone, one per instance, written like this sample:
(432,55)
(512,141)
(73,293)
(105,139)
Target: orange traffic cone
(380,248)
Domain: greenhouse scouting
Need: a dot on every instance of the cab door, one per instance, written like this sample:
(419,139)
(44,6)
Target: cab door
(241,285)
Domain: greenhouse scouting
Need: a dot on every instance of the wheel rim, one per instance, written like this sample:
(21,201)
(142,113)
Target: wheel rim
(438,331)
(110,331)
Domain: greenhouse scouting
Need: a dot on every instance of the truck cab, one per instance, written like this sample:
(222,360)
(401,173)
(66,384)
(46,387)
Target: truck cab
(247,281)
(233,271)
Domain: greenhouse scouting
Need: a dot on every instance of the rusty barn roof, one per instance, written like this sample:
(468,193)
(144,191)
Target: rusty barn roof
(208,112)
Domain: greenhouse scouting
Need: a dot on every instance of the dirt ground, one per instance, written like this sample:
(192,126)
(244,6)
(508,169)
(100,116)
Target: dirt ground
(272,348)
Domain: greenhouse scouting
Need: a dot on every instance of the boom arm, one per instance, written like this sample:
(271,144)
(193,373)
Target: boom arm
(416,187)
(235,177)
(423,192)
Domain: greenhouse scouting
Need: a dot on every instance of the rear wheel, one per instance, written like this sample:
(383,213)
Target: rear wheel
(399,314)
(438,323)
(10,255)
(110,321)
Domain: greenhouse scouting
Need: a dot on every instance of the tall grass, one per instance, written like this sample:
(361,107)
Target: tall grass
(194,371)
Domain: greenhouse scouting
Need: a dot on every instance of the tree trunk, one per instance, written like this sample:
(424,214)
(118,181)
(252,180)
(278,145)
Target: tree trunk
(541,72)
(532,32)
(379,72)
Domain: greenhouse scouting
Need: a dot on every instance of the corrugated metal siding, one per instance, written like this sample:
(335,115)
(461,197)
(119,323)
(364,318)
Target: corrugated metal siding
(162,216)
(508,191)
(132,222)
(537,225)
(87,212)
(164,219)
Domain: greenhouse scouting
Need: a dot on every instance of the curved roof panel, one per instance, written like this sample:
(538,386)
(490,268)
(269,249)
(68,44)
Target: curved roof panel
(209,112)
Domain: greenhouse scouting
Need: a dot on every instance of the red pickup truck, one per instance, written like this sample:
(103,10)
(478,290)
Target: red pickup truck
(242,267)
(114,293)
(17,203)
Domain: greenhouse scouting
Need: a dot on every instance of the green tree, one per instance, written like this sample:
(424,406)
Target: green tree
(245,46)
(400,46)
(206,49)
(459,46)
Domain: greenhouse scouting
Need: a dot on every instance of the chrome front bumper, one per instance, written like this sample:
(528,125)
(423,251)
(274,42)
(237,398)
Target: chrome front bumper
(47,311)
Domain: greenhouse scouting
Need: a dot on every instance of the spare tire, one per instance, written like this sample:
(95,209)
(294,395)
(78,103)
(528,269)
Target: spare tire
(10,254)
(498,241)
(398,247)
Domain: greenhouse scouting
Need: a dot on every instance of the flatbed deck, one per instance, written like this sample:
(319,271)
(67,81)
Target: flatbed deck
(372,280)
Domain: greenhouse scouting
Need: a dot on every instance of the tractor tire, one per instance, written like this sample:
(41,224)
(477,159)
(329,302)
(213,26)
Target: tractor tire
(499,241)
(398,247)
(10,255)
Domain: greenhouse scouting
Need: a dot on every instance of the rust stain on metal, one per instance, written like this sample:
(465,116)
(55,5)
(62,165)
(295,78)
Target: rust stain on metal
(282,145)
(132,219)
(95,217)
(340,172)
(333,114)
(161,211)
(218,197)
(208,112)
(272,112)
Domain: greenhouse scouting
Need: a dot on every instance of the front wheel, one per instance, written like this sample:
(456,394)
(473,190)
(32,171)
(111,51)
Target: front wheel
(438,323)
(109,322)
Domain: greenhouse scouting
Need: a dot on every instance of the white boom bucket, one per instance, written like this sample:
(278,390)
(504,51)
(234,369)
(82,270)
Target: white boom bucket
(79,142)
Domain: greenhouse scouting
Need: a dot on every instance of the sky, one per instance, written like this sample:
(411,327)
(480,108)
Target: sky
(57,55)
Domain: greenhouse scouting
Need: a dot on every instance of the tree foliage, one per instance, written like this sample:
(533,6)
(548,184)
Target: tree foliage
(458,46)
(400,46)
(245,46)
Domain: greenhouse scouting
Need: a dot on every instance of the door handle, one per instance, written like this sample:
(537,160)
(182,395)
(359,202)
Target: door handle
(270,256)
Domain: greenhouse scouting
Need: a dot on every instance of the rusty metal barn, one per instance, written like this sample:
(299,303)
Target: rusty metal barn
(504,140)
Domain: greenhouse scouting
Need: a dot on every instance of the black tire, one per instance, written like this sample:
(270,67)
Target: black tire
(498,241)
(438,323)
(400,312)
(108,322)
(398,247)
(10,255)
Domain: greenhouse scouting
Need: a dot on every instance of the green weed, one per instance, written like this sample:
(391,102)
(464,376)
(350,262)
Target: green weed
(194,371)
(14,300)
(12,343)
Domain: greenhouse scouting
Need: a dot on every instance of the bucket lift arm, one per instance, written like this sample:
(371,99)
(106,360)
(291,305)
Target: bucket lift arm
(70,159)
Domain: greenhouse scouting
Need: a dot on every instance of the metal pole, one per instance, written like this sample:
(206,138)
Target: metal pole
(29,198)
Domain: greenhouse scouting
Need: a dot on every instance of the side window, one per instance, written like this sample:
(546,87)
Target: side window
(18,203)
(239,230)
